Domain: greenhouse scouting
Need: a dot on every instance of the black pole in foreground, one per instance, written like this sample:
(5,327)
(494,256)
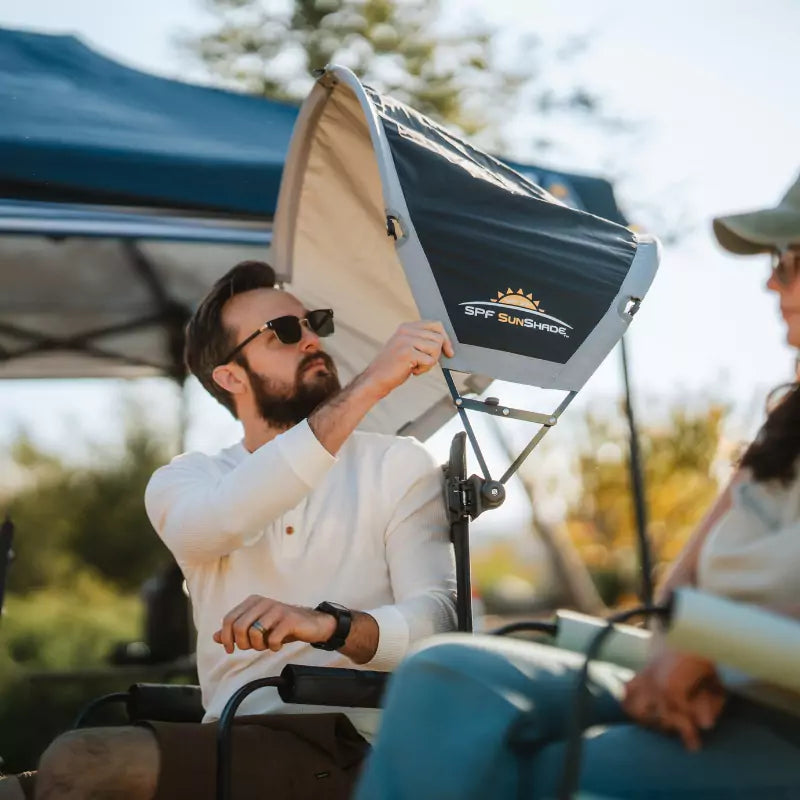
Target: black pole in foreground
(637,486)
(6,554)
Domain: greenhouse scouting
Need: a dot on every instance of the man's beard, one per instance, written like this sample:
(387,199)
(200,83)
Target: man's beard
(282,406)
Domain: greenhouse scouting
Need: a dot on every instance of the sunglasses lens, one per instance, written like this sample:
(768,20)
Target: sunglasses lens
(287,329)
(321,321)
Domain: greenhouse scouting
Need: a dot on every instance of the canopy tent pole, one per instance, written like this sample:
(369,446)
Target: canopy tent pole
(638,488)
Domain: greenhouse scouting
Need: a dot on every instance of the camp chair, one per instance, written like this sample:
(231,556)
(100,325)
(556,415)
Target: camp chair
(381,208)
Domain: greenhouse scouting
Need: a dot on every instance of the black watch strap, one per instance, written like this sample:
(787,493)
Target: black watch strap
(344,619)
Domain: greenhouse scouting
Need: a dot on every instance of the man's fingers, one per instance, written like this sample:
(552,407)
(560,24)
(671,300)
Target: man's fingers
(226,635)
(242,625)
(280,632)
(268,621)
(426,328)
(423,362)
(237,620)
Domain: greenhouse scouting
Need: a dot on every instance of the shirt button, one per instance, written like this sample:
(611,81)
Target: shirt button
(289,530)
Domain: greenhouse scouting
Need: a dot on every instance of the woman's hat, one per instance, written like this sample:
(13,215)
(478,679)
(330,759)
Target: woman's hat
(761,231)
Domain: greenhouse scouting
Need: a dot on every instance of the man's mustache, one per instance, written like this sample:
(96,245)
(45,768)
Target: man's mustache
(313,358)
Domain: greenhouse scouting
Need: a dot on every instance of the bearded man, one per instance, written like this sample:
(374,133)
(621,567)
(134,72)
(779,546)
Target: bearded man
(306,542)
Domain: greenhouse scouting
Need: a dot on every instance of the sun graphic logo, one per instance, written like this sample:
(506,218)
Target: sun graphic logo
(527,313)
(518,298)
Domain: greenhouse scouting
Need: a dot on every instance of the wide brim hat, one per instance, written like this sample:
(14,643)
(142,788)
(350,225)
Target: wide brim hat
(760,231)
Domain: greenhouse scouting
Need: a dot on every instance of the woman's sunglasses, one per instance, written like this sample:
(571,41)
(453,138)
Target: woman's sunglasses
(785,265)
(289,329)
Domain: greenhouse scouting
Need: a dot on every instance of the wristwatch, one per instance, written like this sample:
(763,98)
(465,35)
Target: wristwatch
(344,619)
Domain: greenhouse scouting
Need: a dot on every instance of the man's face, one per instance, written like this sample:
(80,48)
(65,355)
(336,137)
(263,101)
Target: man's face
(288,381)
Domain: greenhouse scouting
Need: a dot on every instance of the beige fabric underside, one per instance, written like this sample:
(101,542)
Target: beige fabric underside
(340,255)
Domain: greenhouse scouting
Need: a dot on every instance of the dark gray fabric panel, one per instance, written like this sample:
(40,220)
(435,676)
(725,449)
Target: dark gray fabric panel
(488,231)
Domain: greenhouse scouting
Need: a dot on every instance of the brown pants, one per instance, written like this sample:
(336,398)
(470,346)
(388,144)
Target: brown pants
(274,757)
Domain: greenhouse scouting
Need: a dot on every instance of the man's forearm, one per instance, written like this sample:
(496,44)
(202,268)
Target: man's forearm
(362,641)
(338,417)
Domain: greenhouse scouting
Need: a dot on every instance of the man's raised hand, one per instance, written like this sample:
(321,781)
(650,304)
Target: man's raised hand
(413,349)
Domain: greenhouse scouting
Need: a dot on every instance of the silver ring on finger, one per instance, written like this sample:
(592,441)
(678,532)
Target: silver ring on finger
(259,627)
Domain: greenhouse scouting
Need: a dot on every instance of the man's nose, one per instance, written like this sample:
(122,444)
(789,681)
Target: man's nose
(773,284)
(309,341)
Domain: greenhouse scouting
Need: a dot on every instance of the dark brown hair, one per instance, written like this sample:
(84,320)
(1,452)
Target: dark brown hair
(208,341)
(773,453)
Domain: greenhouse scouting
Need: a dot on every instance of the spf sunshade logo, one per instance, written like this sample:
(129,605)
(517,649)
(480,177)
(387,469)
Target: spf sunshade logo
(517,308)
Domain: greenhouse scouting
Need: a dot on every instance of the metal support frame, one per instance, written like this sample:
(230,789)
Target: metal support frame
(170,314)
(466,498)
(492,406)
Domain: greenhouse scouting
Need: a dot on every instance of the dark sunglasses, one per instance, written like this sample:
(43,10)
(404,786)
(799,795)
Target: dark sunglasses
(785,265)
(289,329)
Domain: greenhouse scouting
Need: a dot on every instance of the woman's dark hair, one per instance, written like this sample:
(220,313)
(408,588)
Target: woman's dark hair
(208,341)
(773,453)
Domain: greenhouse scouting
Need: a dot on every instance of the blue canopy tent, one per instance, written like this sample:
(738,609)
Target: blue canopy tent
(79,127)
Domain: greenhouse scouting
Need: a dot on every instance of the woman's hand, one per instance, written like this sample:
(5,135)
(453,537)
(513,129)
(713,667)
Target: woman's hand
(676,692)
(279,623)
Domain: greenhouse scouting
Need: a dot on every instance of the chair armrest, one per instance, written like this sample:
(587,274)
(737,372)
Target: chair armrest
(627,646)
(164,702)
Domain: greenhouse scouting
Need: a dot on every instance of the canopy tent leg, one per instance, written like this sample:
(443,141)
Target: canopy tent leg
(638,488)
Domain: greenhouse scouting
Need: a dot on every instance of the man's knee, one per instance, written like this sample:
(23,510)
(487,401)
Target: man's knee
(109,760)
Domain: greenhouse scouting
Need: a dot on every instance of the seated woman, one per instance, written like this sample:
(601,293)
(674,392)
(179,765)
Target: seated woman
(481,717)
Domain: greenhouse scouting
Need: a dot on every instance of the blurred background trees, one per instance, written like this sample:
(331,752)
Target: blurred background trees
(680,459)
(458,70)
(588,558)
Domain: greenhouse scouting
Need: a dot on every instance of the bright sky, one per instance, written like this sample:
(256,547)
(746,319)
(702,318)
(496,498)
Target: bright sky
(712,87)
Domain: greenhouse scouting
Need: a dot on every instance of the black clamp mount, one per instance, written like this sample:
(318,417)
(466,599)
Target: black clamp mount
(466,498)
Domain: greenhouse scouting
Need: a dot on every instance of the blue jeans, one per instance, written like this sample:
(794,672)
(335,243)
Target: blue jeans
(473,717)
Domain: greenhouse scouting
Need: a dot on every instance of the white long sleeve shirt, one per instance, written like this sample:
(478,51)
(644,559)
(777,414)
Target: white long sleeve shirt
(366,529)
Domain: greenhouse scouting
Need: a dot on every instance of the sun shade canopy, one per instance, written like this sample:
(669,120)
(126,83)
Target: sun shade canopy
(127,196)
(412,222)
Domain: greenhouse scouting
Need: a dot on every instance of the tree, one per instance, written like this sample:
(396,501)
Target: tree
(570,579)
(71,520)
(679,459)
(401,47)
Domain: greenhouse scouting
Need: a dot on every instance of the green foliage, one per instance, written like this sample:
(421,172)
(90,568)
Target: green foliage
(679,457)
(71,520)
(83,544)
(396,46)
(60,628)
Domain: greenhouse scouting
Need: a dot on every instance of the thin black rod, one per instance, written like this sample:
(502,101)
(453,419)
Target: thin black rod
(6,554)
(537,438)
(459,533)
(224,726)
(637,485)
(466,423)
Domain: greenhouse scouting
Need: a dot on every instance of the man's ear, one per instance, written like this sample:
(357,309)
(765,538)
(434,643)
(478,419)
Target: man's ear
(230,377)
